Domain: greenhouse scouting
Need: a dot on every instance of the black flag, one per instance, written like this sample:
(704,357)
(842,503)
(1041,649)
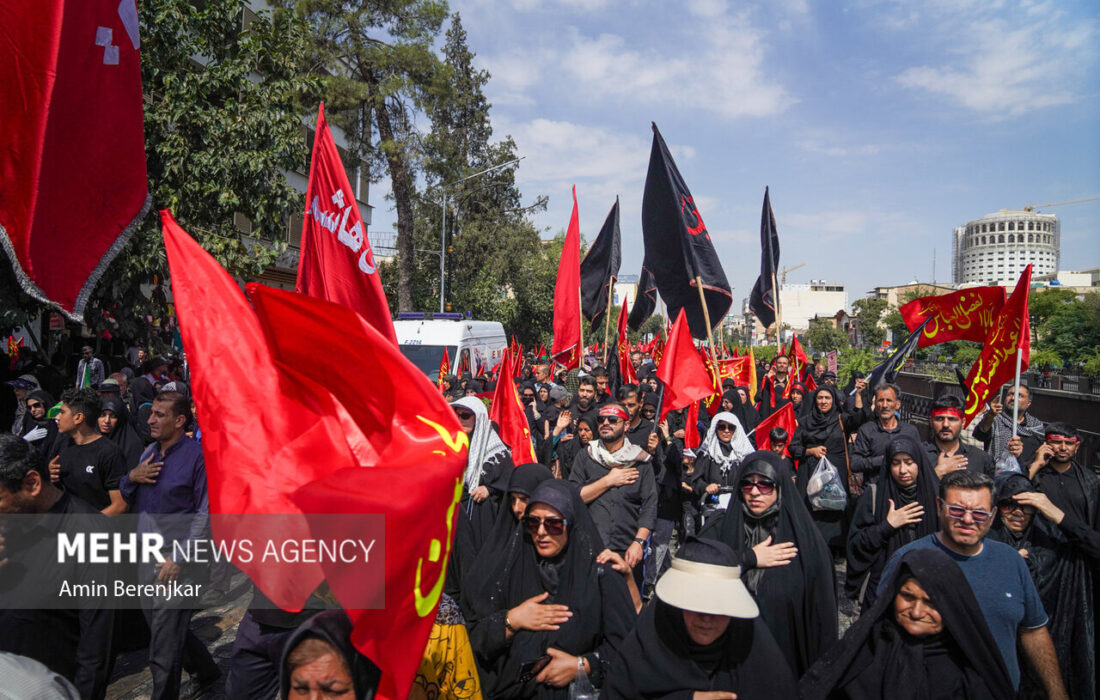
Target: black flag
(599,266)
(887,370)
(762,299)
(678,248)
(644,301)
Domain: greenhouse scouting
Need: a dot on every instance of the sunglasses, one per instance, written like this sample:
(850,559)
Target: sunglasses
(613,420)
(1010,506)
(764,487)
(464,415)
(723,427)
(34,405)
(554,526)
(958,513)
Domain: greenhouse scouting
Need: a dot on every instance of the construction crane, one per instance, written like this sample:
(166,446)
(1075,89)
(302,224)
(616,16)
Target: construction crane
(1058,204)
(783,274)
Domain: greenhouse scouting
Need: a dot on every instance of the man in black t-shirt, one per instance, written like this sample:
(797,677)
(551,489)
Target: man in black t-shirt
(88,466)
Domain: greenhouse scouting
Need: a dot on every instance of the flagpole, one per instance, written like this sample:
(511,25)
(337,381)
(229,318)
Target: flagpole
(1016,395)
(706,317)
(664,318)
(580,304)
(607,321)
(778,317)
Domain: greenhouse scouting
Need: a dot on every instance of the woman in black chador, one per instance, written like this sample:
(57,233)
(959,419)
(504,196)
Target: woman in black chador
(784,561)
(546,607)
(924,639)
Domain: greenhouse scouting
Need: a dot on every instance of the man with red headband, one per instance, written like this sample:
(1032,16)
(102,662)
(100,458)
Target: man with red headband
(946,450)
(617,482)
(1066,483)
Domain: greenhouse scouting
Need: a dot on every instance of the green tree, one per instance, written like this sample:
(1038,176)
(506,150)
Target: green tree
(855,360)
(1044,359)
(381,73)
(966,355)
(823,336)
(1042,304)
(869,311)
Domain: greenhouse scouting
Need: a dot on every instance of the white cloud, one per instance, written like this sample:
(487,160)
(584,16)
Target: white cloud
(1005,64)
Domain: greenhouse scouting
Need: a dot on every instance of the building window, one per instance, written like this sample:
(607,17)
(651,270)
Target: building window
(1001,238)
(984,229)
(1031,226)
(1030,237)
(1001,226)
(1011,225)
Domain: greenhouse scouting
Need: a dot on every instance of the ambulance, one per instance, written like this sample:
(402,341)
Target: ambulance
(474,346)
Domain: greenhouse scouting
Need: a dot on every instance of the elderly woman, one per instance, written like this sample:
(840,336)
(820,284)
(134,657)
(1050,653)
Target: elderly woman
(784,561)
(319,661)
(926,639)
(547,607)
(891,513)
(702,636)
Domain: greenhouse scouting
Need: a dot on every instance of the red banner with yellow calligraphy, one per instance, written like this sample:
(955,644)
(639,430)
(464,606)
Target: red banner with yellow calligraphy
(1011,333)
(967,314)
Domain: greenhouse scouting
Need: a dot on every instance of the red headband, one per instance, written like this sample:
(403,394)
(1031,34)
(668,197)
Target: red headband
(1058,436)
(614,410)
(947,411)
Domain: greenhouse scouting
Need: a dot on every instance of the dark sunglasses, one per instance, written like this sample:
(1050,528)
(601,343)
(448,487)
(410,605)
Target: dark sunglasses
(764,487)
(464,415)
(34,405)
(1009,506)
(958,513)
(554,526)
(608,419)
(723,427)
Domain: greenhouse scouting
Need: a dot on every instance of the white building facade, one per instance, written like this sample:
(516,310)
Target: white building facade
(801,302)
(996,248)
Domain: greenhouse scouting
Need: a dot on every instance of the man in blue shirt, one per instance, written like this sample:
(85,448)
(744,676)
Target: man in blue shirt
(997,574)
(171,480)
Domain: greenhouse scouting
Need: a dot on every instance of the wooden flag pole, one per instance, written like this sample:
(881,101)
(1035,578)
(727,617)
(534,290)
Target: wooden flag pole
(706,318)
(607,312)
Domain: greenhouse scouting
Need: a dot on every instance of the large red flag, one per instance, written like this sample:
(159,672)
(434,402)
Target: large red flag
(783,418)
(1011,334)
(73,184)
(507,412)
(306,455)
(626,368)
(681,370)
(967,314)
(336,261)
(566,347)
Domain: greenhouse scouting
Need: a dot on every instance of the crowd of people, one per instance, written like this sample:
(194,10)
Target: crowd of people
(625,562)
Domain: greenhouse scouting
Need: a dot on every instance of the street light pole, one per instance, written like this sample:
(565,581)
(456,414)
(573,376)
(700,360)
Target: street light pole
(443,229)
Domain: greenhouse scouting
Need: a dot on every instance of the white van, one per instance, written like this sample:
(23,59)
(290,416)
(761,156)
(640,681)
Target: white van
(480,343)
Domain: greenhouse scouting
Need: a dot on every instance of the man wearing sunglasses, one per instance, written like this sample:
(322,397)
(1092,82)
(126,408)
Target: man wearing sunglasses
(997,574)
(617,482)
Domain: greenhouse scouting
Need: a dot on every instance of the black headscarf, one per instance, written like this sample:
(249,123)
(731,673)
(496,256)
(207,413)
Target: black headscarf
(601,606)
(660,659)
(744,410)
(878,659)
(797,601)
(333,627)
(123,434)
(817,425)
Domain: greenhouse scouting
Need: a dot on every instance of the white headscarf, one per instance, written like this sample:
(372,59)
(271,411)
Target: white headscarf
(740,442)
(484,441)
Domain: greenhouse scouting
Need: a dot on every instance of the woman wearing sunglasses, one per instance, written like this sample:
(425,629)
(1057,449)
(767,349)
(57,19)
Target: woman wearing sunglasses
(924,638)
(721,451)
(784,561)
(1058,558)
(35,422)
(892,512)
(547,606)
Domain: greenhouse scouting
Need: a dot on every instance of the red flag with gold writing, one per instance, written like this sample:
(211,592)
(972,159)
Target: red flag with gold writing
(967,314)
(1010,334)
(566,346)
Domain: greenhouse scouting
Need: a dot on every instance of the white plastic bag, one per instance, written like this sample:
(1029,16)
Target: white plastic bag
(824,488)
(581,688)
(1008,463)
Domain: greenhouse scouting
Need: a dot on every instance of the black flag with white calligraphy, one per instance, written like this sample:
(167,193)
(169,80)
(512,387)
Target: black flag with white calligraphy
(678,248)
(600,268)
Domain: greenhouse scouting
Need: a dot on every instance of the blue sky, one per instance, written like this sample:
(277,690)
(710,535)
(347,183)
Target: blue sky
(878,125)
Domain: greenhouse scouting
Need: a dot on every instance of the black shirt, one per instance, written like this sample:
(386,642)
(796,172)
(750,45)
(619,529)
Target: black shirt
(977,460)
(90,471)
(871,443)
(621,510)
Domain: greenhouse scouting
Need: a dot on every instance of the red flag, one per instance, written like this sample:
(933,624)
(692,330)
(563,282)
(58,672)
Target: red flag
(996,365)
(810,384)
(681,370)
(444,367)
(336,261)
(463,364)
(566,347)
(73,184)
(967,314)
(306,455)
(507,412)
(626,369)
(797,356)
(783,418)
(691,427)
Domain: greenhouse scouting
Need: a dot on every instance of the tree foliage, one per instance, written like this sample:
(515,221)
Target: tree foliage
(823,336)
(869,311)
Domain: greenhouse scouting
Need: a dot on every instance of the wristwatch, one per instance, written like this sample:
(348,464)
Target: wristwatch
(640,541)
